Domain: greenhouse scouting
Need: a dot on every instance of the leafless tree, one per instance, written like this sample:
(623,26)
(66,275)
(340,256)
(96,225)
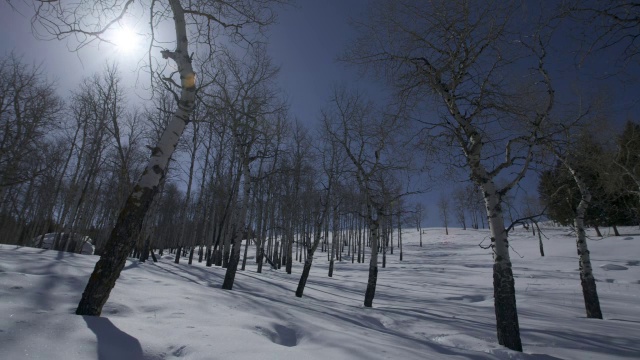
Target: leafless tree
(246,97)
(415,218)
(321,199)
(574,149)
(367,136)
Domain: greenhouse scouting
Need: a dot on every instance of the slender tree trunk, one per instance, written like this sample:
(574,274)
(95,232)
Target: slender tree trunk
(230,275)
(312,249)
(260,256)
(400,236)
(129,223)
(178,254)
(191,255)
(360,240)
(332,252)
(334,239)
(539,239)
(597,230)
(145,250)
(615,230)
(305,275)
(246,250)
(370,293)
(589,291)
(290,236)
(248,240)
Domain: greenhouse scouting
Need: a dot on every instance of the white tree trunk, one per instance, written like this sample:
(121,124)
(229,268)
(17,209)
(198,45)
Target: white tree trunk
(508,328)
(589,291)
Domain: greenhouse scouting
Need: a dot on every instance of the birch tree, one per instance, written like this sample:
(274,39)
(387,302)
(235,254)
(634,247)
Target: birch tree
(455,65)
(320,204)
(578,154)
(366,137)
(248,99)
(576,161)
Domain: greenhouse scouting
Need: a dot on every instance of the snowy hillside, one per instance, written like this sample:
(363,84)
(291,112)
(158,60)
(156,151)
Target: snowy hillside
(435,304)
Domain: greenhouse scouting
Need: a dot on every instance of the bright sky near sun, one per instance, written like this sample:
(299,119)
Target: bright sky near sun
(126,40)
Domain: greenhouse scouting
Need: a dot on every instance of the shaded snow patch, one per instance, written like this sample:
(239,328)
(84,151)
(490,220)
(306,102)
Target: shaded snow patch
(468,298)
(479,266)
(613,267)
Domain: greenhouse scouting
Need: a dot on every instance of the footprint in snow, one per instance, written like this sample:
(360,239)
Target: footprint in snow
(280,334)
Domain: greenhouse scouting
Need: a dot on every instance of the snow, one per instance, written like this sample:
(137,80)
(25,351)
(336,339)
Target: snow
(435,304)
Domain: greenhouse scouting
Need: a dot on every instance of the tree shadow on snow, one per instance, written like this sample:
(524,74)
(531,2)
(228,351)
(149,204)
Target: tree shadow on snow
(113,343)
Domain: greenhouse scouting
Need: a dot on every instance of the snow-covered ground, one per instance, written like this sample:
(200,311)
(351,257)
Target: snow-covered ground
(435,304)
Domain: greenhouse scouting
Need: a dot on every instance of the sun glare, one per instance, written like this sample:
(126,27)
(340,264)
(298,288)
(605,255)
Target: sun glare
(125,39)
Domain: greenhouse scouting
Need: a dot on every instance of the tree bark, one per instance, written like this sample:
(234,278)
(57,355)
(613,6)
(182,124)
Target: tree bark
(232,267)
(191,255)
(589,291)
(260,256)
(305,275)
(597,230)
(373,263)
(178,254)
(615,230)
(238,232)
(508,328)
(539,238)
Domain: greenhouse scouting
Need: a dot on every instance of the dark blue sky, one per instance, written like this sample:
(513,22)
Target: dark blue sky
(305,43)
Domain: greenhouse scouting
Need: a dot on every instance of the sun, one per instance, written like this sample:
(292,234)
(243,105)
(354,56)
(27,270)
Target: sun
(125,39)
